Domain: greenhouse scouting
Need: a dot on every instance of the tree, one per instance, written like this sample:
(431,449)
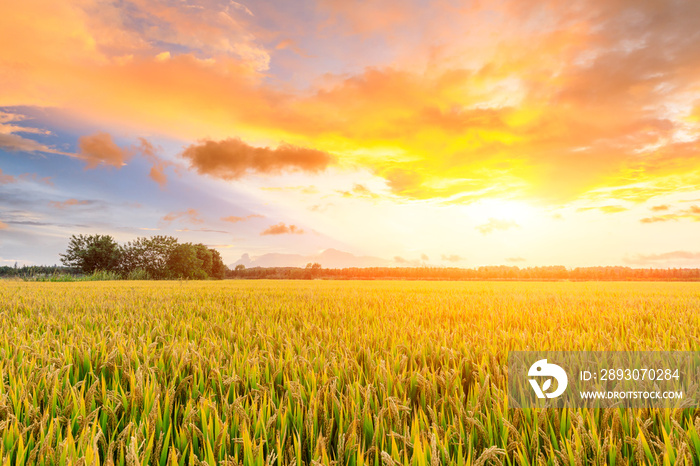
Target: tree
(184,263)
(148,254)
(218,268)
(204,254)
(92,252)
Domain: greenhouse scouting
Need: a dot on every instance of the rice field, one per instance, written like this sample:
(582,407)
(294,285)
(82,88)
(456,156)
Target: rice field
(324,372)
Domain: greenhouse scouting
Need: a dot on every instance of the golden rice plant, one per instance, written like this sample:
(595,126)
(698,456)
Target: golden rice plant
(332,373)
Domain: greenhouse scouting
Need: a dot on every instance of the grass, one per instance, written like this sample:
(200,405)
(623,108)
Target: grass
(96,276)
(323,372)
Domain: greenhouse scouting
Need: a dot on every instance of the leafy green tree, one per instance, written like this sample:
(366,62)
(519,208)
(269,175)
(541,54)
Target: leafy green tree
(92,252)
(157,257)
(204,254)
(184,263)
(148,254)
(218,268)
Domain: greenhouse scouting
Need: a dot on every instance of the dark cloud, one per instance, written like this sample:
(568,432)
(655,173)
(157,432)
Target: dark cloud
(231,159)
(282,229)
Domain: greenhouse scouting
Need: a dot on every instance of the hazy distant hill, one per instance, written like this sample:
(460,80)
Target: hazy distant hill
(330,258)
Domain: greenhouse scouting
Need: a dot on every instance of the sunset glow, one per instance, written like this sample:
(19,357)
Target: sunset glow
(459,133)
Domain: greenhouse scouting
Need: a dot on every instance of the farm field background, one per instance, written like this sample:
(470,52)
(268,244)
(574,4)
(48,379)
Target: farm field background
(324,372)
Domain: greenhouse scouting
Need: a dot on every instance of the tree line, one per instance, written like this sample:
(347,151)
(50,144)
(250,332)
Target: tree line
(29,271)
(315,271)
(145,258)
(163,257)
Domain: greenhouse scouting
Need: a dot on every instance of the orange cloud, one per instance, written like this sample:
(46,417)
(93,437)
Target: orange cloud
(10,141)
(3,226)
(206,230)
(100,149)
(612,209)
(69,203)
(35,178)
(301,189)
(659,208)
(6,179)
(321,207)
(150,152)
(282,229)
(495,224)
(99,62)
(573,108)
(290,44)
(657,219)
(232,159)
(606,209)
(692,213)
(365,17)
(359,191)
(189,216)
(16,143)
(451,258)
(234,219)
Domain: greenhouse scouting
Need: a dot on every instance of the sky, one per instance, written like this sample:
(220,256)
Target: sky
(445,133)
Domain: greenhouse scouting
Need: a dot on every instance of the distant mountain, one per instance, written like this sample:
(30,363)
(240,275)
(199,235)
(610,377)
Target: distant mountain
(330,259)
